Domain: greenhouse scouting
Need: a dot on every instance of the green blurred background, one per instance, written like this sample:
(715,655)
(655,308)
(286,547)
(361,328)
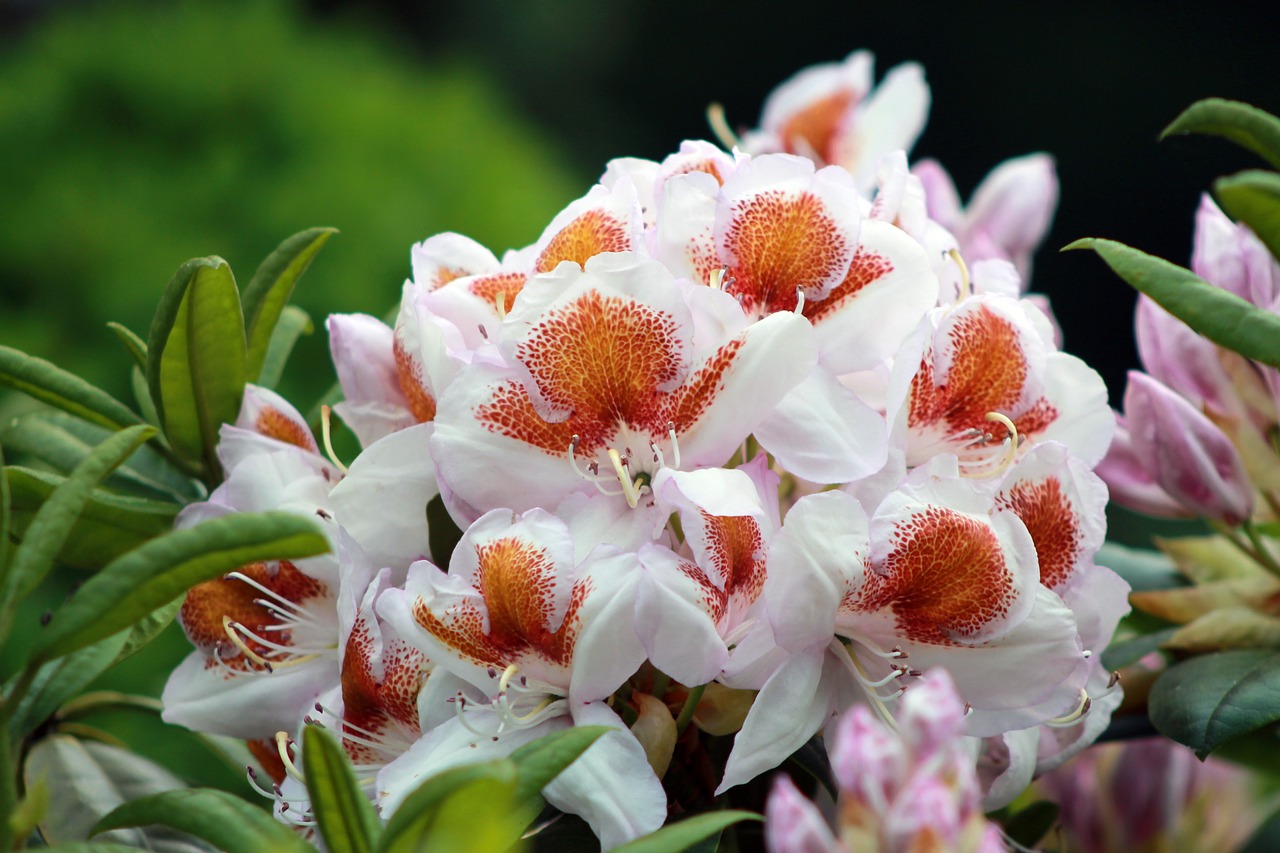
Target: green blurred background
(134,136)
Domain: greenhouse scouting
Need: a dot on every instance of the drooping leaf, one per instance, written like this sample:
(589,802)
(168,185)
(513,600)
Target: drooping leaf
(1141,568)
(453,824)
(134,345)
(1185,604)
(89,780)
(160,571)
(411,822)
(271,286)
(148,628)
(344,815)
(197,356)
(293,324)
(1241,123)
(30,811)
(109,525)
(61,679)
(1133,649)
(1207,559)
(1227,628)
(1027,826)
(222,819)
(54,521)
(1253,197)
(544,759)
(1219,315)
(60,389)
(142,395)
(677,837)
(1206,700)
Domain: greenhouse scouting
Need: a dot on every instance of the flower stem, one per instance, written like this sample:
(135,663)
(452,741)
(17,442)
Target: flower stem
(690,705)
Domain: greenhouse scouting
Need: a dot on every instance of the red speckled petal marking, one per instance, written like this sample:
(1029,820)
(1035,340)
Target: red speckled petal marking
(867,266)
(945,577)
(274,423)
(1047,512)
(782,241)
(444,275)
(409,373)
(737,552)
(373,702)
(207,603)
(516,580)
(506,285)
(591,234)
(688,402)
(987,374)
(812,129)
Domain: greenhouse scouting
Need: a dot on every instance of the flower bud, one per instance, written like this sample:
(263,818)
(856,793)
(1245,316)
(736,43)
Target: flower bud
(1185,452)
(1131,486)
(1182,359)
(792,824)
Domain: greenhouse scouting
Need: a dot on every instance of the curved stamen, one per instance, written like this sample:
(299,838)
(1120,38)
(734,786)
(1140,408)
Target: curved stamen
(624,478)
(799,300)
(591,475)
(500,304)
(296,611)
(283,744)
(720,127)
(966,284)
(326,433)
(1071,719)
(231,628)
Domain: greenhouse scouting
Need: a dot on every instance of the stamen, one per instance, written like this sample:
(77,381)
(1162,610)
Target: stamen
(592,474)
(326,432)
(1081,711)
(717,279)
(720,127)
(1003,459)
(799,300)
(624,478)
(297,612)
(283,744)
(500,304)
(483,332)
(966,284)
(231,629)
(675,444)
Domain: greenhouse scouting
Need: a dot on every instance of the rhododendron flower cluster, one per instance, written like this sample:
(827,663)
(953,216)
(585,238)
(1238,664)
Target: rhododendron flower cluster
(768,427)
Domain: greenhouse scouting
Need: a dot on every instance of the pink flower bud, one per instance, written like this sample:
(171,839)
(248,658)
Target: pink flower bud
(932,714)
(1130,484)
(1185,452)
(1183,360)
(792,824)
(868,760)
(925,816)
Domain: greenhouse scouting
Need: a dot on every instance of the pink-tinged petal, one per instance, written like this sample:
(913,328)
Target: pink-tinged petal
(996,275)
(1058,744)
(453,744)
(887,291)
(611,786)
(205,697)
(815,562)
(1100,599)
(267,413)
(1216,254)
(899,198)
(642,174)
(1006,763)
(941,197)
(1012,209)
(1185,361)
(363,354)
(606,219)
(423,364)
(781,226)
(382,502)
(932,714)
(791,707)
(1130,484)
(684,238)
(1187,454)
(694,156)
(445,257)
(823,433)
(891,119)
(676,614)
(924,812)
(793,824)
(807,110)
(271,476)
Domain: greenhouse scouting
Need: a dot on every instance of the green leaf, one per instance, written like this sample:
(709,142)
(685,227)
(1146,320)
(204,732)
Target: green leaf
(135,345)
(443,533)
(53,523)
(1244,125)
(293,324)
(1032,823)
(1142,568)
(55,386)
(59,680)
(92,847)
(411,821)
(1266,838)
(142,395)
(161,570)
(148,628)
(1220,316)
(344,815)
(1129,651)
(89,780)
(544,759)
(222,819)
(453,825)
(196,357)
(109,525)
(1209,699)
(6,520)
(1253,197)
(676,837)
(271,286)
(27,816)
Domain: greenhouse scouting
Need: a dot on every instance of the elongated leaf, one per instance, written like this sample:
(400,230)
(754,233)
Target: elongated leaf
(544,759)
(108,526)
(1220,316)
(88,780)
(142,396)
(344,815)
(677,837)
(59,680)
(60,389)
(5,519)
(411,820)
(55,520)
(1127,652)
(148,628)
(196,356)
(1248,126)
(1253,198)
(220,818)
(163,569)
(293,324)
(1206,700)
(92,847)
(133,344)
(271,285)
